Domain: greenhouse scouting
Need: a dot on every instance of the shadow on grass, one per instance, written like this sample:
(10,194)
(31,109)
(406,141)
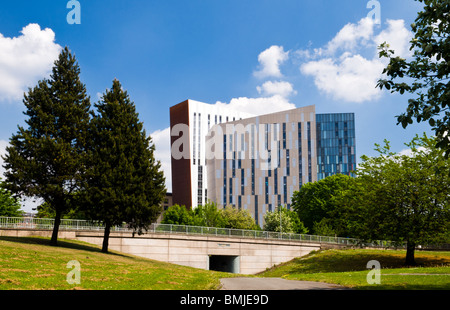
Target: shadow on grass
(77,245)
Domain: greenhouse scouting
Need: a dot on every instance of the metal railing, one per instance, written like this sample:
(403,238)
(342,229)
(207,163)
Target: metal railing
(70,224)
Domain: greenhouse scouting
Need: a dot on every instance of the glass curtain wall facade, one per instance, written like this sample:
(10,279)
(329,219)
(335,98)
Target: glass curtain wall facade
(336,145)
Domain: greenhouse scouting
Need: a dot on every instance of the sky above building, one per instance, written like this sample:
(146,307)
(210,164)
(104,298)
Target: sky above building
(257,56)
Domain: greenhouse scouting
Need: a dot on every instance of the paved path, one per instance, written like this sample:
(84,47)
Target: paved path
(274,284)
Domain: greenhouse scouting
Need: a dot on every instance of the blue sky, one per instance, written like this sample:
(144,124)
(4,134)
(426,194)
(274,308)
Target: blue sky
(253,54)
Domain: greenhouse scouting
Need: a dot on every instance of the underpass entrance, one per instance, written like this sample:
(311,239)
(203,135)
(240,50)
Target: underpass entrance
(225,263)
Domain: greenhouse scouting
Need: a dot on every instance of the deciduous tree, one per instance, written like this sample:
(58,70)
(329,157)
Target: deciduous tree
(9,205)
(427,75)
(407,197)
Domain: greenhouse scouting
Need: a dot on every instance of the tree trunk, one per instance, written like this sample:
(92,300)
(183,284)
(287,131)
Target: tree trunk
(54,239)
(410,248)
(106,237)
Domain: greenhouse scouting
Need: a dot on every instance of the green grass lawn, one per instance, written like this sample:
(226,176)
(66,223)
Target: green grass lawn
(31,264)
(348,268)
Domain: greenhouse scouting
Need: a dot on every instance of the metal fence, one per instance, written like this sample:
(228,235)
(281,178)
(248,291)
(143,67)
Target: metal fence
(69,224)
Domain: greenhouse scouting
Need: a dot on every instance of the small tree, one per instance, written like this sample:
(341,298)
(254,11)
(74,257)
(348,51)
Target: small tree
(178,215)
(289,220)
(237,219)
(9,206)
(45,160)
(278,220)
(318,200)
(208,215)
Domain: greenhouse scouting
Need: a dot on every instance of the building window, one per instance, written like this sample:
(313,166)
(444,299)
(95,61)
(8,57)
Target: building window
(200,185)
(224,170)
(194,139)
(308,133)
(267,189)
(288,165)
(256,210)
(242,182)
(275,180)
(253,176)
(231,190)
(199,139)
(300,155)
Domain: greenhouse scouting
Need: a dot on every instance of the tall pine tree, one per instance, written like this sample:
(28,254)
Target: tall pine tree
(45,159)
(123,181)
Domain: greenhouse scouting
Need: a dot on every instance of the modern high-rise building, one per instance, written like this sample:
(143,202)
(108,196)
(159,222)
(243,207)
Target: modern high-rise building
(335,144)
(265,159)
(255,162)
(190,122)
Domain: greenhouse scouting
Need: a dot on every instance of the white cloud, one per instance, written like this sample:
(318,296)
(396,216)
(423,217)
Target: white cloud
(339,68)
(161,140)
(282,88)
(260,105)
(270,61)
(352,35)
(351,78)
(397,36)
(25,59)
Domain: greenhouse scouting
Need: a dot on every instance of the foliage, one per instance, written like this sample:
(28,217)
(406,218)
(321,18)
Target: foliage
(45,211)
(324,228)
(123,181)
(320,200)
(178,215)
(46,269)
(426,75)
(406,197)
(209,216)
(290,222)
(237,219)
(9,205)
(45,159)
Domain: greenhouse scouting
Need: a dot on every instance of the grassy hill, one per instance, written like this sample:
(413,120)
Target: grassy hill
(349,268)
(31,264)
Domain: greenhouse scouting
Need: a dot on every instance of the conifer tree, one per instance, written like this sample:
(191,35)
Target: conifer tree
(123,181)
(44,160)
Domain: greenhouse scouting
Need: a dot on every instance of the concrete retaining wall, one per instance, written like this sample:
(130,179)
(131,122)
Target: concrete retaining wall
(254,255)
